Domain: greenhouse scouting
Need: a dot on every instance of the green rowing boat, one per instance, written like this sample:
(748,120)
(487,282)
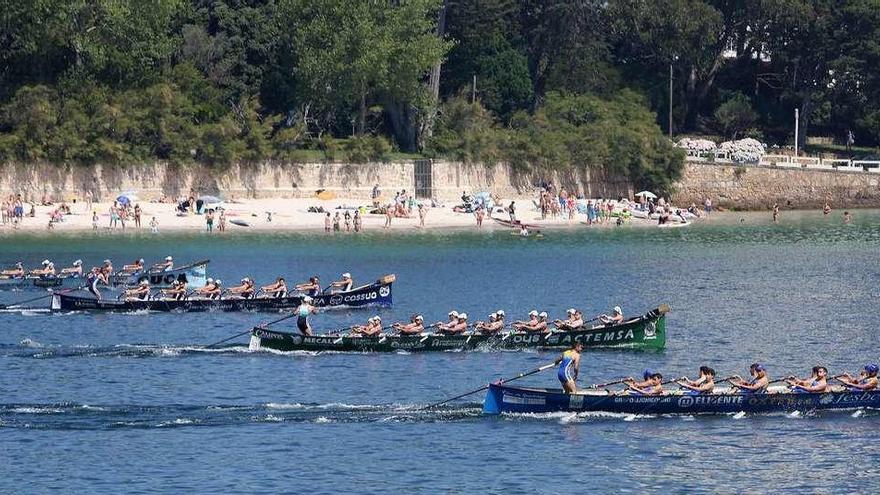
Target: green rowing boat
(646,332)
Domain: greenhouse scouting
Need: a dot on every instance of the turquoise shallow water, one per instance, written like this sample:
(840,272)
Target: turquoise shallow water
(100,402)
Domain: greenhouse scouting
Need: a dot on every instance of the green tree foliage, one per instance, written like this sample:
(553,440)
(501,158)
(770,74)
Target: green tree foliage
(735,116)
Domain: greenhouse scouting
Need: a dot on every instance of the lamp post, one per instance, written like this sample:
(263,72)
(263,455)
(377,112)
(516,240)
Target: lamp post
(674,58)
(796,124)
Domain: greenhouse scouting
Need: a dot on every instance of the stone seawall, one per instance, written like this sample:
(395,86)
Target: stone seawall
(757,187)
(438,179)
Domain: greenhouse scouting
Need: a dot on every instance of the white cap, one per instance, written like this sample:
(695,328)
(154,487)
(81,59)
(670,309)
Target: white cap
(144,282)
(571,311)
(463,316)
(453,313)
(420,318)
(371,319)
(169,258)
(533,313)
(210,280)
(108,262)
(218,282)
(378,318)
(244,279)
(543,314)
(45,262)
(618,310)
(307,299)
(346,275)
(77,262)
(500,312)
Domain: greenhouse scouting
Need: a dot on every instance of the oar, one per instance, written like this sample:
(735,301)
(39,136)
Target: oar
(484,387)
(50,294)
(603,385)
(262,325)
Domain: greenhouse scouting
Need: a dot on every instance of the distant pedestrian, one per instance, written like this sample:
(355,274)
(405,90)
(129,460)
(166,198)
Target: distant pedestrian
(374,195)
(707,205)
(222,221)
(336,221)
(137,215)
(826,209)
(347,217)
(358,221)
(776,213)
(209,220)
(847,218)
(423,212)
(511,210)
(389,213)
(479,213)
(114,216)
(154,226)
(328,223)
(94,220)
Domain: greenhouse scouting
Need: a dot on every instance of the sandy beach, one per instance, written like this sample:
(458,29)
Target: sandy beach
(286,215)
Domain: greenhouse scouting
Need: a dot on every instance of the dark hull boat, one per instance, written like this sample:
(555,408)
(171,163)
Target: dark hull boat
(194,274)
(502,398)
(646,332)
(375,294)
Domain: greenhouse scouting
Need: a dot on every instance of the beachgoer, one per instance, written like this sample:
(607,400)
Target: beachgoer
(336,221)
(511,211)
(209,220)
(358,221)
(775,212)
(328,223)
(154,226)
(137,215)
(847,218)
(423,212)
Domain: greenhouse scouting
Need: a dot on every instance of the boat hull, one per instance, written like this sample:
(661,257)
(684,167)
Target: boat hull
(509,399)
(194,274)
(645,333)
(370,295)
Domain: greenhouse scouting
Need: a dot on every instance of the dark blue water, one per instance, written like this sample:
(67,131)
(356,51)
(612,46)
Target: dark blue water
(129,402)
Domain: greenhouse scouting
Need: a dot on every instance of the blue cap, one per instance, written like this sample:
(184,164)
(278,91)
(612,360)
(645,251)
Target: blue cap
(872,368)
(647,373)
(758,367)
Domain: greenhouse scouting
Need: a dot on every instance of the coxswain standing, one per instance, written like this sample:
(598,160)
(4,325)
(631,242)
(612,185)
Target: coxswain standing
(95,277)
(17,271)
(177,291)
(652,384)
(311,288)
(211,290)
(758,383)
(817,383)
(705,384)
(278,289)
(615,319)
(139,293)
(415,326)
(245,290)
(569,367)
(303,311)
(574,321)
(75,270)
(867,379)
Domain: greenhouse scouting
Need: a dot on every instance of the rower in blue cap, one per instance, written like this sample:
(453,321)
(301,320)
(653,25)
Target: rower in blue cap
(758,383)
(651,385)
(867,379)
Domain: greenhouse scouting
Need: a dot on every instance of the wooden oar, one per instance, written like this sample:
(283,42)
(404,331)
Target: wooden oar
(484,387)
(603,385)
(50,294)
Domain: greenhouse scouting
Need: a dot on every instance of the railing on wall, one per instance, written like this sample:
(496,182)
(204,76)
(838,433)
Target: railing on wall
(788,161)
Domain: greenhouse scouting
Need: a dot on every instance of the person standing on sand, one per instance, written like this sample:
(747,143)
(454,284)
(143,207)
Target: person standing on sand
(479,213)
(707,205)
(137,215)
(114,216)
(511,210)
(775,212)
(88,201)
(389,213)
(847,218)
(328,223)
(209,220)
(423,212)
(336,221)
(347,217)
(95,220)
(358,221)
(222,225)
(374,195)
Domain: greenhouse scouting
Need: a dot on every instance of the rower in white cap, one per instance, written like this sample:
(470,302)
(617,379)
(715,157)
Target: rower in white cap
(371,329)
(457,327)
(415,326)
(48,269)
(494,325)
(537,323)
(75,270)
(164,266)
(139,293)
(574,320)
(615,318)
(453,320)
(343,285)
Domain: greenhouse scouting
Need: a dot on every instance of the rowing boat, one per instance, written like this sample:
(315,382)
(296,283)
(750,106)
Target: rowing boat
(194,274)
(375,294)
(502,398)
(515,225)
(647,332)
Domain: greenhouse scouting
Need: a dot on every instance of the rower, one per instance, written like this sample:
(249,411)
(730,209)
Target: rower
(415,326)
(278,289)
(137,266)
(371,329)
(615,319)
(569,367)
(211,290)
(177,291)
(48,269)
(311,288)
(651,385)
(107,268)
(817,383)
(867,379)
(493,326)
(343,285)
(758,383)
(75,270)
(537,323)
(303,311)
(574,321)
(139,293)
(705,384)
(453,328)
(95,277)
(164,266)
(453,320)
(17,271)
(245,289)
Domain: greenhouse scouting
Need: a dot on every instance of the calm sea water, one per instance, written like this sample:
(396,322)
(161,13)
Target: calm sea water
(128,402)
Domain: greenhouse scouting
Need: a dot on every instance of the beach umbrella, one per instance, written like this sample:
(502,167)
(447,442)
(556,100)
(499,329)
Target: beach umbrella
(125,198)
(210,199)
(647,194)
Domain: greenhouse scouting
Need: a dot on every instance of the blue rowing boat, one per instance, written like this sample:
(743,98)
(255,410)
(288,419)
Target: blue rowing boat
(502,398)
(194,274)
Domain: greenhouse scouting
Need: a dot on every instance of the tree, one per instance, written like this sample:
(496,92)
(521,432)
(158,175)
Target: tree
(735,116)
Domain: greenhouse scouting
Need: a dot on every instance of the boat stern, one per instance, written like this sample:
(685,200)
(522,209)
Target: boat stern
(492,402)
(56,302)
